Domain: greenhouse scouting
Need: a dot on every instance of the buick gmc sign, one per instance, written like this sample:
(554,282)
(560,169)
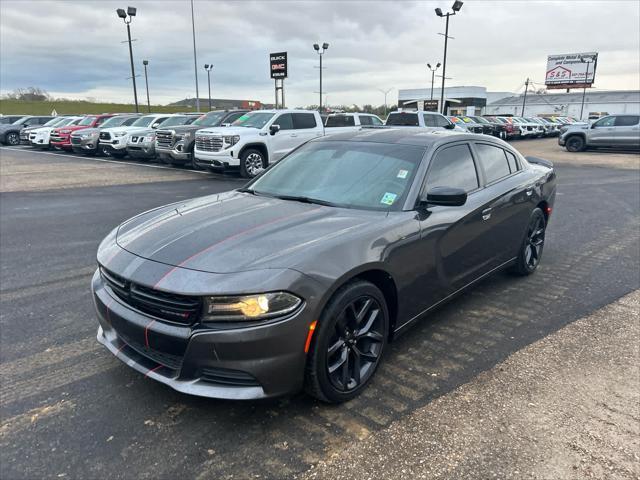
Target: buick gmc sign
(278,64)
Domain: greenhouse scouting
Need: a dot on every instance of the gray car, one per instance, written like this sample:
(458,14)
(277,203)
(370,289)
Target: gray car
(10,133)
(302,277)
(142,145)
(613,131)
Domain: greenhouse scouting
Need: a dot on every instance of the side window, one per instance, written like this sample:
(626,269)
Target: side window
(493,161)
(453,167)
(158,121)
(335,121)
(102,120)
(431,120)
(304,120)
(376,121)
(285,121)
(605,122)
(514,166)
(365,120)
(627,121)
(129,121)
(232,117)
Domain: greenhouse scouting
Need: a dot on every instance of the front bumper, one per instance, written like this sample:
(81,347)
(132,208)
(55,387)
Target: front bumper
(222,159)
(175,153)
(142,150)
(117,144)
(258,361)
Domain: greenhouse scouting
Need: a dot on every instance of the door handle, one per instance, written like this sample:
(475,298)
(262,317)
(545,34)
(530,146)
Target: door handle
(486,214)
(294,135)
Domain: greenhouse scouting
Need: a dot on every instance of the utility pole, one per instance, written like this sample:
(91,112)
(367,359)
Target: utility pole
(320,51)
(433,74)
(127,17)
(385,93)
(208,68)
(586,80)
(524,100)
(195,61)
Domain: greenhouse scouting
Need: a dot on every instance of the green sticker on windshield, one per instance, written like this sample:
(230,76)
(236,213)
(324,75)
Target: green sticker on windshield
(388,198)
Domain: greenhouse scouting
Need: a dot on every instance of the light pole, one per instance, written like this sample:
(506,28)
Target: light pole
(586,80)
(316,47)
(433,74)
(127,17)
(385,93)
(195,60)
(457,5)
(146,81)
(208,68)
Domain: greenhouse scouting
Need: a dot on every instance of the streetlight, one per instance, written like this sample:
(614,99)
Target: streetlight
(433,73)
(316,47)
(146,81)
(195,60)
(385,92)
(130,13)
(457,5)
(586,80)
(208,68)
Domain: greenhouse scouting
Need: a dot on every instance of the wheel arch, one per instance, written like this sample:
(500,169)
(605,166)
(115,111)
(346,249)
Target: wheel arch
(257,146)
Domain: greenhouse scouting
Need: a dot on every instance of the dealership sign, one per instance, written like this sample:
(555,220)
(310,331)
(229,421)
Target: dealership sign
(574,70)
(278,64)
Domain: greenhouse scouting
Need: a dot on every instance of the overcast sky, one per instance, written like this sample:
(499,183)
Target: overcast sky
(74,49)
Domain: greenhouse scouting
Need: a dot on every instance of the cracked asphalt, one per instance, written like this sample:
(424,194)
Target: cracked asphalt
(69,409)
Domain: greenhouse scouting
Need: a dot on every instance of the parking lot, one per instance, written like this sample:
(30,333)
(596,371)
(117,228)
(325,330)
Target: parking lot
(70,409)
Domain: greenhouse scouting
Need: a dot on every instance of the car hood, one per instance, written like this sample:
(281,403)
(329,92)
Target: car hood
(233,232)
(127,130)
(87,130)
(183,128)
(228,130)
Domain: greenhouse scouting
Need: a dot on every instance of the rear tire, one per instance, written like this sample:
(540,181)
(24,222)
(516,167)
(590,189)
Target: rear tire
(348,344)
(532,245)
(252,163)
(575,143)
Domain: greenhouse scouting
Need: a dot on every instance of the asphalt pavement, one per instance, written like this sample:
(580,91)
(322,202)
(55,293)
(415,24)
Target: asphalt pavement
(71,410)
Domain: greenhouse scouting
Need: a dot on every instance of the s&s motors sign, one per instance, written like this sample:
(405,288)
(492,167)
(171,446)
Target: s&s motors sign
(278,65)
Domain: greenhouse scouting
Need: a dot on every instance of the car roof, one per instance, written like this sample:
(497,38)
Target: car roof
(402,135)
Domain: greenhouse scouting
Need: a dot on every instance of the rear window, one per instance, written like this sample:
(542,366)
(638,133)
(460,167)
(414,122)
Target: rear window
(493,161)
(341,121)
(403,119)
(435,120)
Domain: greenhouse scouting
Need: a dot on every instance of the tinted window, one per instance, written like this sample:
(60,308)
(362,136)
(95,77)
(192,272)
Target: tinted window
(605,122)
(627,121)
(493,161)
(304,120)
(365,120)
(513,163)
(340,121)
(376,121)
(232,117)
(102,120)
(403,119)
(285,121)
(431,120)
(453,167)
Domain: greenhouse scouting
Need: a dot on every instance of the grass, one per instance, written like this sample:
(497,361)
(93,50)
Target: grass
(16,107)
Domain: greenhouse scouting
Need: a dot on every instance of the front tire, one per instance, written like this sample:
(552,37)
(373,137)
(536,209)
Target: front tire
(252,163)
(531,248)
(350,339)
(13,139)
(575,143)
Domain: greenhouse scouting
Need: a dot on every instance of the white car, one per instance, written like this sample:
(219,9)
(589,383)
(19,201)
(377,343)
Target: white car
(345,122)
(256,139)
(113,141)
(41,137)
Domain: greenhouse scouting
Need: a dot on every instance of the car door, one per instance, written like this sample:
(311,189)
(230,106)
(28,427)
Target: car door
(305,127)
(453,237)
(627,130)
(285,139)
(602,132)
(510,202)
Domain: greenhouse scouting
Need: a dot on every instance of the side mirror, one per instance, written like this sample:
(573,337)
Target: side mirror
(445,196)
(226,124)
(155,125)
(273,129)
(450,126)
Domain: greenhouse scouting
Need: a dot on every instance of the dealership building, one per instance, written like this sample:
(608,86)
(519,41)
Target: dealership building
(596,103)
(469,100)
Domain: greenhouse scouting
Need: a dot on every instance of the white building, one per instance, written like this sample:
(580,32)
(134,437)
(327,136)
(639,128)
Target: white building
(464,100)
(596,103)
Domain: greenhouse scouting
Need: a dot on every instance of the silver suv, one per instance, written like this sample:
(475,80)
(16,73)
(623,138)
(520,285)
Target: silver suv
(617,131)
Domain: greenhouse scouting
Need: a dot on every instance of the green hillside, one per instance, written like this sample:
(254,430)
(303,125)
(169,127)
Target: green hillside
(14,107)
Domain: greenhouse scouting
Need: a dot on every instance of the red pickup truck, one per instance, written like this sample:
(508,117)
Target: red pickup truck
(61,137)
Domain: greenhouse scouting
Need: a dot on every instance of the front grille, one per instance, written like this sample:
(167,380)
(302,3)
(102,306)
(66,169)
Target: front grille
(224,376)
(135,139)
(209,143)
(164,138)
(170,307)
(57,138)
(105,136)
(76,141)
(166,359)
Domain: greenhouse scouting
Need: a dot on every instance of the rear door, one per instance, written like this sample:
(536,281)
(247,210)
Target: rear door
(305,127)
(283,141)
(627,130)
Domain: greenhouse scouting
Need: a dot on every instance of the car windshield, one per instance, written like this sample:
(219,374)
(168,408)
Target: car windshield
(481,120)
(114,122)
(467,120)
(20,120)
(87,121)
(52,122)
(455,120)
(210,119)
(143,122)
(173,121)
(253,119)
(370,176)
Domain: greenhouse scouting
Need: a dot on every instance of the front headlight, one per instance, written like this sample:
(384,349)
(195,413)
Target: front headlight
(249,307)
(231,140)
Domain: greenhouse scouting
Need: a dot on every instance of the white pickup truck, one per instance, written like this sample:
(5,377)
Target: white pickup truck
(256,139)
(113,141)
(346,122)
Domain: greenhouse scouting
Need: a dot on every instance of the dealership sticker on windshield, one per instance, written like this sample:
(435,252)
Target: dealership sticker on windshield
(403,173)
(388,198)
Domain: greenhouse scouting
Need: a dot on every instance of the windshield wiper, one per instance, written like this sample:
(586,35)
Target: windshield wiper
(296,198)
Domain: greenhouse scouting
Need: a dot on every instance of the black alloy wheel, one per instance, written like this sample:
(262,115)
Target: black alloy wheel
(531,250)
(575,143)
(13,139)
(350,341)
